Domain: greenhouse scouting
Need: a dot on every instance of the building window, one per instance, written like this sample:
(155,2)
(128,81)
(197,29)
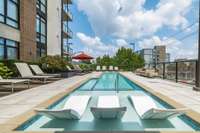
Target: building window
(9,12)
(9,49)
(42,6)
(41,28)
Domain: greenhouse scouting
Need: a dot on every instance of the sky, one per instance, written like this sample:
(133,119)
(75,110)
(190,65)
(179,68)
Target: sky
(103,26)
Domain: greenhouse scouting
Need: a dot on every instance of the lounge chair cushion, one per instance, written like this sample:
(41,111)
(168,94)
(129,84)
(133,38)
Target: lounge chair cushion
(110,68)
(108,107)
(147,109)
(69,68)
(104,68)
(24,69)
(37,69)
(73,108)
(98,68)
(116,68)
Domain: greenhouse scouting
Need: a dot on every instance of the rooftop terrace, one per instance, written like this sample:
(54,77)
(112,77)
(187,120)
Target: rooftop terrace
(14,106)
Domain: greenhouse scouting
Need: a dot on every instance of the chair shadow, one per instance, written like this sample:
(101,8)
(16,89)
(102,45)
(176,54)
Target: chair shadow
(94,125)
(157,124)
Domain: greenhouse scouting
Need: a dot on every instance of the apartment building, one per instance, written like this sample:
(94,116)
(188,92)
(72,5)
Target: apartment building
(159,54)
(168,57)
(147,55)
(154,56)
(30,29)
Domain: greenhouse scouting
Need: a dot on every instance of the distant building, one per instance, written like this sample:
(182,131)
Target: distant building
(147,55)
(159,54)
(167,57)
(154,56)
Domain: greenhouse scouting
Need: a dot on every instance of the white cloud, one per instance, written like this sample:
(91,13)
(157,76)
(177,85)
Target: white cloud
(129,19)
(96,47)
(176,48)
(121,43)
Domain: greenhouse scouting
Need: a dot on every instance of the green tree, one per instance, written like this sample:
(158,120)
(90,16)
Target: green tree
(106,60)
(125,59)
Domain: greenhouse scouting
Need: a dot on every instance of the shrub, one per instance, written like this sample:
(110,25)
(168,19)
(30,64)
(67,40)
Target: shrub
(11,65)
(53,64)
(88,66)
(5,72)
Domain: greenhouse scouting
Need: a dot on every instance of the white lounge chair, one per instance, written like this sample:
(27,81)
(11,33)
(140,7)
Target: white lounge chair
(108,107)
(98,68)
(104,68)
(110,68)
(12,82)
(77,68)
(73,108)
(147,109)
(116,68)
(38,71)
(25,72)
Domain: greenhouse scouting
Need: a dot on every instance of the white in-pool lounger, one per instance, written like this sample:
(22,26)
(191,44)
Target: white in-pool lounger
(108,107)
(73,108)
(147,109)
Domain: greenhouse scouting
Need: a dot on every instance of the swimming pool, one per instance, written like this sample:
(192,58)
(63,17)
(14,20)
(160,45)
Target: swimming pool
(110,83)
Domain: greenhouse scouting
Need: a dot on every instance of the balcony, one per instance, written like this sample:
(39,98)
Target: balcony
(67,33)
(67,49)
(67,1)
(67,15)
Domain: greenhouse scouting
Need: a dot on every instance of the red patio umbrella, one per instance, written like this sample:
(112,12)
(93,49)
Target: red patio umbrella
(82,56)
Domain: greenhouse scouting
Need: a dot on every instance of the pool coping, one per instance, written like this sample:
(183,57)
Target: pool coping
(12,124)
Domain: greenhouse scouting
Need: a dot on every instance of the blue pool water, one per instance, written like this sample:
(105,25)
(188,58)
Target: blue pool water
(109,84)
(109,81)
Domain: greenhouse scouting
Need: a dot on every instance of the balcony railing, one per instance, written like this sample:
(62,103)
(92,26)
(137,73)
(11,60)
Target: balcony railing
(68,33)
(67,49)
(67,1)
(67,14)
(180,71)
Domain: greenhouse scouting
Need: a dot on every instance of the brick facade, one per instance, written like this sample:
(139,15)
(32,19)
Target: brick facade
(28,45)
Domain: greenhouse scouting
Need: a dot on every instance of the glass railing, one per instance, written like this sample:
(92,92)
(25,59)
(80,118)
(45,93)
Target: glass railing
(67,48)
(68,31)
(68,12)
(179,71)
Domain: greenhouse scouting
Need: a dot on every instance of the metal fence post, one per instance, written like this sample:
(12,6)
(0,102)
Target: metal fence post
(163,70)
(197,78)
(176,71)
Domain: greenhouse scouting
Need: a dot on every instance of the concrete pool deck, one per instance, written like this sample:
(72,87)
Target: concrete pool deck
(17,108)
(176,94)
(18,103)
(181,93)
